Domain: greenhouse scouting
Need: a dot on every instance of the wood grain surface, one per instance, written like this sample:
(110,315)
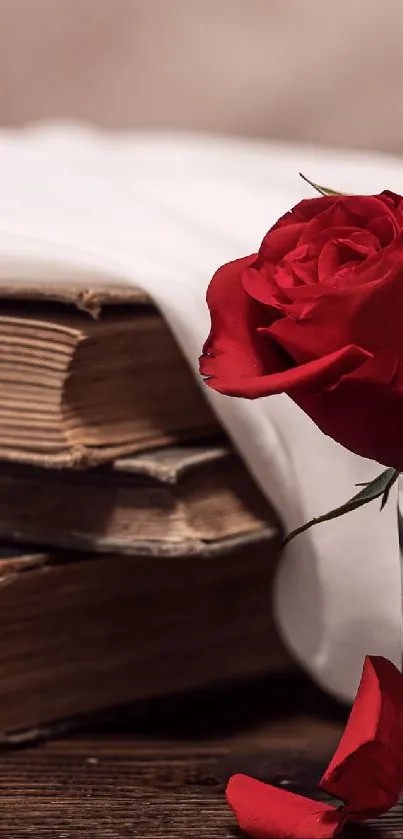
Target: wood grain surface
(164,776)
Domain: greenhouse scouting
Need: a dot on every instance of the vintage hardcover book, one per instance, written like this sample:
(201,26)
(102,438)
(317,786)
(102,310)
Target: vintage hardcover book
(81,633)
(87,376)
(172,500)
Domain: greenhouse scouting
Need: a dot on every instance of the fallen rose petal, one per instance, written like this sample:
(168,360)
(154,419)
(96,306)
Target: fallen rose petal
(265,812)
(366,771)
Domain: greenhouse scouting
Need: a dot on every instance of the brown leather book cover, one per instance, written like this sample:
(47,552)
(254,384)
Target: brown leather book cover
(83,633)
(169,501)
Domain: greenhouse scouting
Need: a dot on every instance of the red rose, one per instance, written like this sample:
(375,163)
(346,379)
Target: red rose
(318,314)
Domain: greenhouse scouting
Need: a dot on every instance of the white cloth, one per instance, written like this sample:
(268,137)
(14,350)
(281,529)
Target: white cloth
(164,211)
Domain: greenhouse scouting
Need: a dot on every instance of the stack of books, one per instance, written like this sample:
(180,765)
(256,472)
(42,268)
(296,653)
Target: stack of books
(137,554)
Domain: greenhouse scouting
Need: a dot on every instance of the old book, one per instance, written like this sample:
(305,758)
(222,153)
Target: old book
(88,376)
(172,500)
(80,633)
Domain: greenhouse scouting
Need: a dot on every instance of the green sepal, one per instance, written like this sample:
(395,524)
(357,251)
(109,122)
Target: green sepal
(378,488)
(323,190)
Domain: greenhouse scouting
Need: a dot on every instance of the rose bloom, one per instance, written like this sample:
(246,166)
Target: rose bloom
(317,314)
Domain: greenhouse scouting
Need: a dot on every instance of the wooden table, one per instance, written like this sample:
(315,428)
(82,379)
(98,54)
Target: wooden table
(163,775)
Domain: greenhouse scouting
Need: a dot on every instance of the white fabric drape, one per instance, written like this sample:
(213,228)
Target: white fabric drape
(163,212)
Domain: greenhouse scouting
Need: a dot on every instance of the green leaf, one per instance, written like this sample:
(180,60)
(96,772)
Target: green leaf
(322,189)
(378,488)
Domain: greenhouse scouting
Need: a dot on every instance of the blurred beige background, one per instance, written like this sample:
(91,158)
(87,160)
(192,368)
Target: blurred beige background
(297,69)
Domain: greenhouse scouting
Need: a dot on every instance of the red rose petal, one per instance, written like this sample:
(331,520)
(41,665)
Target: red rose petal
(314,376)
(265,812)
(309,208)
(280,240)
(366,771)
(235,349)
(342,410)
(354,211)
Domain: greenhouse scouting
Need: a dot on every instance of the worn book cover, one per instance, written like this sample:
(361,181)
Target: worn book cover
(87,376)
(173,500)
(81,633)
